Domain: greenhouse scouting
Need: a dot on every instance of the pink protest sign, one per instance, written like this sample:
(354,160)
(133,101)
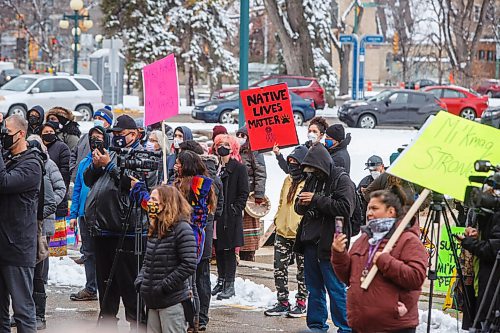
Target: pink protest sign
(161,90)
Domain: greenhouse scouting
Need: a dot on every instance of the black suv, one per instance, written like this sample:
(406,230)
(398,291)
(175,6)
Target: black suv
(391,107)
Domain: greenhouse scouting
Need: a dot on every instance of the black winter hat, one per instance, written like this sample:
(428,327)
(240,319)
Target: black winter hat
(38,109)
(336,132)
(123,122)
(243,130)
(101,130)
(298,153)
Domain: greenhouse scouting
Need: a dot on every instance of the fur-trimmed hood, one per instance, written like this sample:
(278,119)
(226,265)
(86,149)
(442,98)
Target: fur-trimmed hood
(62,112)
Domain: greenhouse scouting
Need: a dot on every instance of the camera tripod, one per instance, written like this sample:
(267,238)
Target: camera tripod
(138,252)
(491,325)
(438,211)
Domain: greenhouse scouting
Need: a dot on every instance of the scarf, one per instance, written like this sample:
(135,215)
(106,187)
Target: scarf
(377,229)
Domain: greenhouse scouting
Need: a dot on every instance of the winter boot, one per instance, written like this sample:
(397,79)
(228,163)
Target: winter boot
(40,301)
(218,287)
(228,291)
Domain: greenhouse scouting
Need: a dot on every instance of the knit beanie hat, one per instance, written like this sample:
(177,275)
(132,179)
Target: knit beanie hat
(336,132)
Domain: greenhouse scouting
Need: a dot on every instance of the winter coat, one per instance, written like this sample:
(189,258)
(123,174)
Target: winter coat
(340,155)
(20,178)
(69,133)
(211,163)
(59,188)
(318,224)
(485,249)
(59,153)
(78,153)
(401,275)
(36,129)
(298,153)
(80,190)
(256,166)
(188,135)
(108,199)
(168,263)
(235,189)
(364,183)
(286,219)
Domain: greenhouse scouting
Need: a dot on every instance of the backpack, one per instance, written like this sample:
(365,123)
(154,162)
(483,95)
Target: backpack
(356,219)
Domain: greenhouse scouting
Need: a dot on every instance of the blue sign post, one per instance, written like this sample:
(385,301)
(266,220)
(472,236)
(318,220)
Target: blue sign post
(366,39)
(353,39)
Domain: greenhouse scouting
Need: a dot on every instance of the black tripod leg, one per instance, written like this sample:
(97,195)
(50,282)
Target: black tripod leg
(483,301)
(432,275)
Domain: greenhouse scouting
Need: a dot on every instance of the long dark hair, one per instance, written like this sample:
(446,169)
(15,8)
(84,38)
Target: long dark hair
(192,165)
(394,197)
(292,191)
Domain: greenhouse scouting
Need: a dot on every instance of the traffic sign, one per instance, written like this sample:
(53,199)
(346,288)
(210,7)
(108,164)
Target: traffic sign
(353,39)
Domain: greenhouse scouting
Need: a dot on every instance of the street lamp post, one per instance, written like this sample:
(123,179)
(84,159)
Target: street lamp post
(76,6)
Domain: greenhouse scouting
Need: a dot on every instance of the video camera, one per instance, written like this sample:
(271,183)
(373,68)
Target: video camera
(476,197)
(137,160)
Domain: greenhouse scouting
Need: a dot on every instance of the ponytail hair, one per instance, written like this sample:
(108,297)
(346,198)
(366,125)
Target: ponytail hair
(393,197)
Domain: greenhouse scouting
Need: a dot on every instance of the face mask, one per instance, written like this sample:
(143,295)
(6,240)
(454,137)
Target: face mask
(242,141)
(119,141)
(177,142)
(329,143)
(63,120)
(8,140)
(55,124)
(150,146)
(153,210)
(312,137)
(96,144)
(295,171)
(49,137)
(98,122)
(375,174)
(379,228)
(33,120)
(223,151)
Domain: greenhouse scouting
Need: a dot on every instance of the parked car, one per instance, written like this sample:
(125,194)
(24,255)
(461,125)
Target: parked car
(8,74)
(460,101)
(305,87)
(491,117)
(422,83)
(489,87)
(79,93)
(391,107)
(220,110)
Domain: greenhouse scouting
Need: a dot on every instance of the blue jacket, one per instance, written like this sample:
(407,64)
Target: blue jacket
(80,190)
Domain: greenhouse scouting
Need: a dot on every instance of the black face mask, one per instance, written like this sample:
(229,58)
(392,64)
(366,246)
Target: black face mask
(319,175)
(33,121)
(223,151)
(8,140)
(294,170)
(96,144)
(49,137)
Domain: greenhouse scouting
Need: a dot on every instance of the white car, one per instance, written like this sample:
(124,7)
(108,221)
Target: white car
(76,93)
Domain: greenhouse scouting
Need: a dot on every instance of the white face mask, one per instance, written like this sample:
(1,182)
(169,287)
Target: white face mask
(177,142)
(98,122)
(150,146)
(375,174)
(242,141)
(312,137)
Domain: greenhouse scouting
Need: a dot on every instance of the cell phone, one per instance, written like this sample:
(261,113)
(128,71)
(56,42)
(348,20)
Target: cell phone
(339,225)
(457,236)
(100,146)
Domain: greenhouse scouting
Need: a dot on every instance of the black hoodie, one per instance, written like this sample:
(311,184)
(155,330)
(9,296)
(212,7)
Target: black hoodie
(340,155)
(298,154)
(36,128)
(334,196)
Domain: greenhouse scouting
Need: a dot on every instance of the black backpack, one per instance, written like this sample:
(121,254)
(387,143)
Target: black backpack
(356,220)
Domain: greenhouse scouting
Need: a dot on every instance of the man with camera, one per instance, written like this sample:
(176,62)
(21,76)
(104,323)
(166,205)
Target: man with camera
(112,217)
(20,179)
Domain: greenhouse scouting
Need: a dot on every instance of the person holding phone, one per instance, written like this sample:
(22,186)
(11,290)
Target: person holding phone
(98,140)
(391,302)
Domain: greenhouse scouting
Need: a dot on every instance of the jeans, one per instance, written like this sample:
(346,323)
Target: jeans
(88,251)
(203,286)
(17,283)
(168,320)
(319,275)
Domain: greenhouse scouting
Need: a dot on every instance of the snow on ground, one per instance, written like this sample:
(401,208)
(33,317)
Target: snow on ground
(440,322)
(65,272)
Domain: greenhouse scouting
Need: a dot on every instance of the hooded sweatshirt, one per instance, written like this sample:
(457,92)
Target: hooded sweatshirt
(188,135)
(340,155)
(36,128)
(401,275)
(256,165)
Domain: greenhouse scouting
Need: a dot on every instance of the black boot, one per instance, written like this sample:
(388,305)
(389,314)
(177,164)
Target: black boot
(40,301)
(218,287)
(228,291)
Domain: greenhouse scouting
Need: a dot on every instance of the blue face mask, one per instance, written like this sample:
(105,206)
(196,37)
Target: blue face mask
(98,122)
(119,141)
(329,143)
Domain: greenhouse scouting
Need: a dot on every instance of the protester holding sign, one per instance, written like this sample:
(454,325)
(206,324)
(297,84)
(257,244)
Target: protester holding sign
(256,166)
(391,302)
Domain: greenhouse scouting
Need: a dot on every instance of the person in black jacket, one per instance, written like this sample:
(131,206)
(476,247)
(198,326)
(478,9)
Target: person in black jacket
(328,192)
(229,226)
(20,178)
(169,261)
(60,154)
(484,243)
(35,117)
(336,141)
(375,165)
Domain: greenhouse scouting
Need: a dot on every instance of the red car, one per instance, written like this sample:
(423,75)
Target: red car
(460,101)
(305,87)
(489,87)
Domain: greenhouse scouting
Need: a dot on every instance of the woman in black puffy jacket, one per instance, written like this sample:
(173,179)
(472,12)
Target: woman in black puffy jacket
(169,261)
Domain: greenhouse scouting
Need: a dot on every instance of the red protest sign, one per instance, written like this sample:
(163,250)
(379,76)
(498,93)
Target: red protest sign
(269,115)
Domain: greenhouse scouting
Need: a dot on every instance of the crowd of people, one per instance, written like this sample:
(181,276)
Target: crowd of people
(170,218)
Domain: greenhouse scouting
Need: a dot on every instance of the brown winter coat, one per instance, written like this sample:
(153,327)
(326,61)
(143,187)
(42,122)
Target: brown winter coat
(401,275)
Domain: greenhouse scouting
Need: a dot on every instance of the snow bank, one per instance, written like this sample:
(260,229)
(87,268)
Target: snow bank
(64,271)
(440,322)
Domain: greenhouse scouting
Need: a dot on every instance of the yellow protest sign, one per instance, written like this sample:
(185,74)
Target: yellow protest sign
(442,156)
